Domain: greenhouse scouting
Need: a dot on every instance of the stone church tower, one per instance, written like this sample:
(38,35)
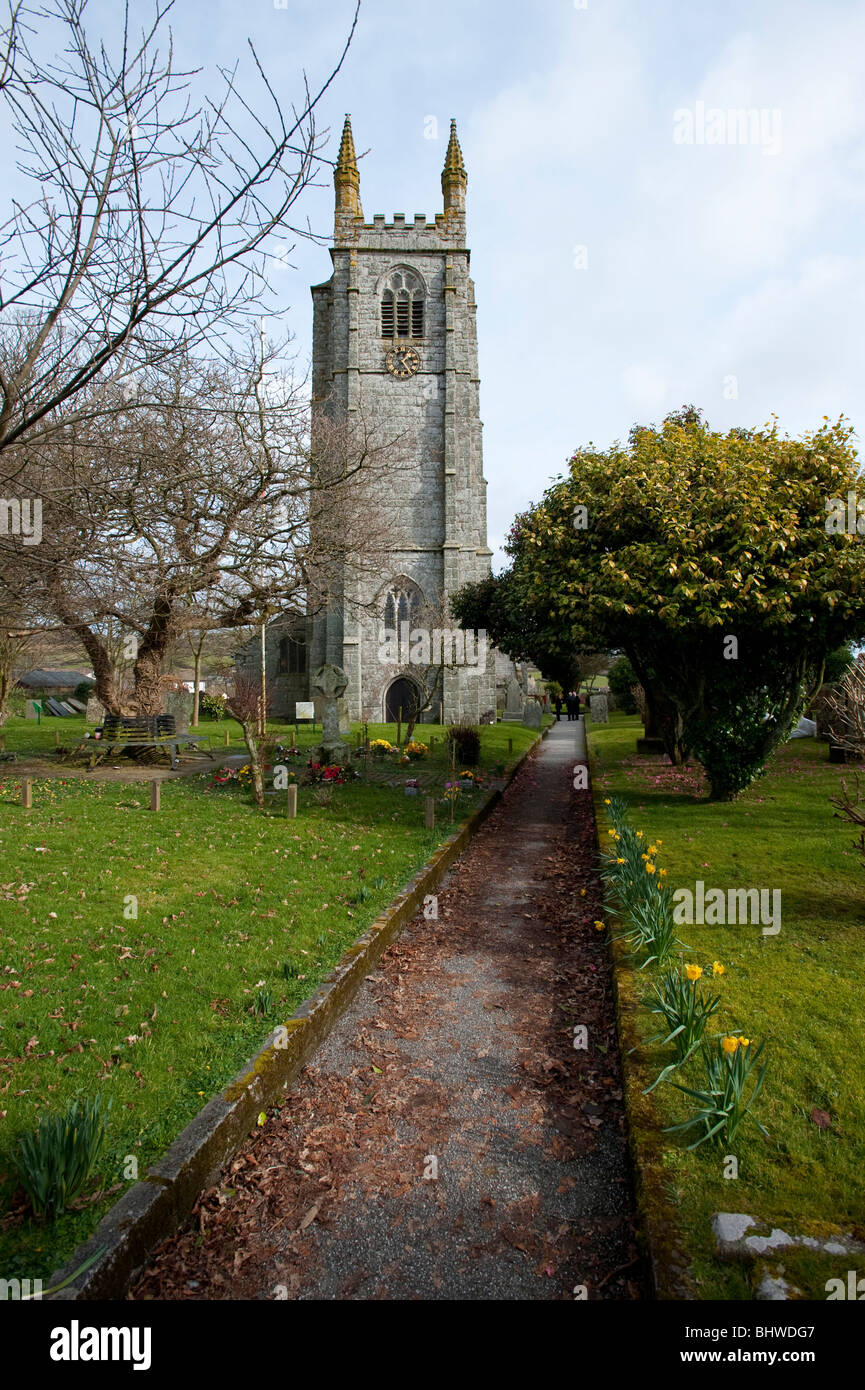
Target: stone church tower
(394,337)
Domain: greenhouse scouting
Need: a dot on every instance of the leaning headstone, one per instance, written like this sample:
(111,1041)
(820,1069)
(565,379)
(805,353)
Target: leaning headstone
(599,709)
(95,712)
(179,703)
(328,684)
(32,709)
(513,712)
(532,714)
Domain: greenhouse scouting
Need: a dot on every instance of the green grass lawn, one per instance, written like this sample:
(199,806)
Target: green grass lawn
(801,991)
(153,1009)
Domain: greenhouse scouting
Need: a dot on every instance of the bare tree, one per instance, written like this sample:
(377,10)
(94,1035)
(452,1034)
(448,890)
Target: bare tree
(206,504)
(152,211)
(844,711)
(244,704)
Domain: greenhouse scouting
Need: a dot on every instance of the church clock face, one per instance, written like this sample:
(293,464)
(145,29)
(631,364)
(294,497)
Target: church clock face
(402,362)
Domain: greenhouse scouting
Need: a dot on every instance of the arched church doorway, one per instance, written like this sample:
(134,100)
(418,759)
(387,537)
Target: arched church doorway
(402,695)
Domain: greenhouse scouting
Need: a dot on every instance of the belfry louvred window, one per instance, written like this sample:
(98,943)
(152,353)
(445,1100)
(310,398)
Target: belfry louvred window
(402,306)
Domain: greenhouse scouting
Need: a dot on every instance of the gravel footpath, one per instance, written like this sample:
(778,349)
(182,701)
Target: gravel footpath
(449,1141)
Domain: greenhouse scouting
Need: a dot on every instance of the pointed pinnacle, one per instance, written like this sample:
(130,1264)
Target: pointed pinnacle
(347,158)
(454,157)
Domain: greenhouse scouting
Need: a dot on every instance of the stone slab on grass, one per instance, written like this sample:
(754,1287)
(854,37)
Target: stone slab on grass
(739,1236)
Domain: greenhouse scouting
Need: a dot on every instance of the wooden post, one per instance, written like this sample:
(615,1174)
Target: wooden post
(291,801)
(226,739)
(27,793)
(432,742)
(56,739)
(510,745)
(429,818)
(155,788)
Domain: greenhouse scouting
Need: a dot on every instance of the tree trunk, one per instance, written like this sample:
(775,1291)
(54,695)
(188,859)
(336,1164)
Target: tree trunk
(196,682)
(149,695)
(107,682)
(250,738)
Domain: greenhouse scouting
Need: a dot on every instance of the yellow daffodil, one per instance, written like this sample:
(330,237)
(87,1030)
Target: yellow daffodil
(600,926)
(611,832)
(729,1044)
(662,872)
(644,856)
(717,968)
(653,849)
(606,801)
(693,972)
(650,868)
(744,1042)
(639,834)
(582,892)
(620,860)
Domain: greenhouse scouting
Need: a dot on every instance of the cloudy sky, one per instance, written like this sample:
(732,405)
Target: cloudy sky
(632,248)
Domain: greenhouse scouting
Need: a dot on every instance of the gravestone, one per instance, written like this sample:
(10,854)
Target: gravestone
(513,711)
(32,709)
(532,714)
(328,684)
(95,712)
(179,704)
(599,709)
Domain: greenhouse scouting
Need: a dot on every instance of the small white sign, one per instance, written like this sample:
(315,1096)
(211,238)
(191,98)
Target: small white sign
(304,709)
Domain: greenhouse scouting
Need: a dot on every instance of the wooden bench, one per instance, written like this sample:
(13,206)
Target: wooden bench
(133,734)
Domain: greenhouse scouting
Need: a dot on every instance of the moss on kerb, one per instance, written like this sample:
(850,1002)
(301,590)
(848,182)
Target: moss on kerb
(261,1063)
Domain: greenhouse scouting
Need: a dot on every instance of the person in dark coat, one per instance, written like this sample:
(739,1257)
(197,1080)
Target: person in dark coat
(558,704)
(573,704)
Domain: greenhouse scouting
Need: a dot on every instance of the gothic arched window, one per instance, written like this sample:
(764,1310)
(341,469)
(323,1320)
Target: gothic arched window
(402,604)
(402,306)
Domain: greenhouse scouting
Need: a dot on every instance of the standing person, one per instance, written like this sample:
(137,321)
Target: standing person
(558,704)
(573,706)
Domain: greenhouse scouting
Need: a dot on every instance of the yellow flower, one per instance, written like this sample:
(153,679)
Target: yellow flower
(600,925)
(729,1044)
(639,834)
(606,801)
(660,842)
(717,967)
(645,856)
(620,861)
(582,892)
(662,872)
(693,972)
(653,849)
(611,832)
(650,868)
(744,1042)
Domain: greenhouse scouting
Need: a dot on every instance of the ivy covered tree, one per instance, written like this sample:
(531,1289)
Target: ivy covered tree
(705,557)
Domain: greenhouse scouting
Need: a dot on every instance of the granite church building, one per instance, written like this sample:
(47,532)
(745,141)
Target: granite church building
(394,336)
